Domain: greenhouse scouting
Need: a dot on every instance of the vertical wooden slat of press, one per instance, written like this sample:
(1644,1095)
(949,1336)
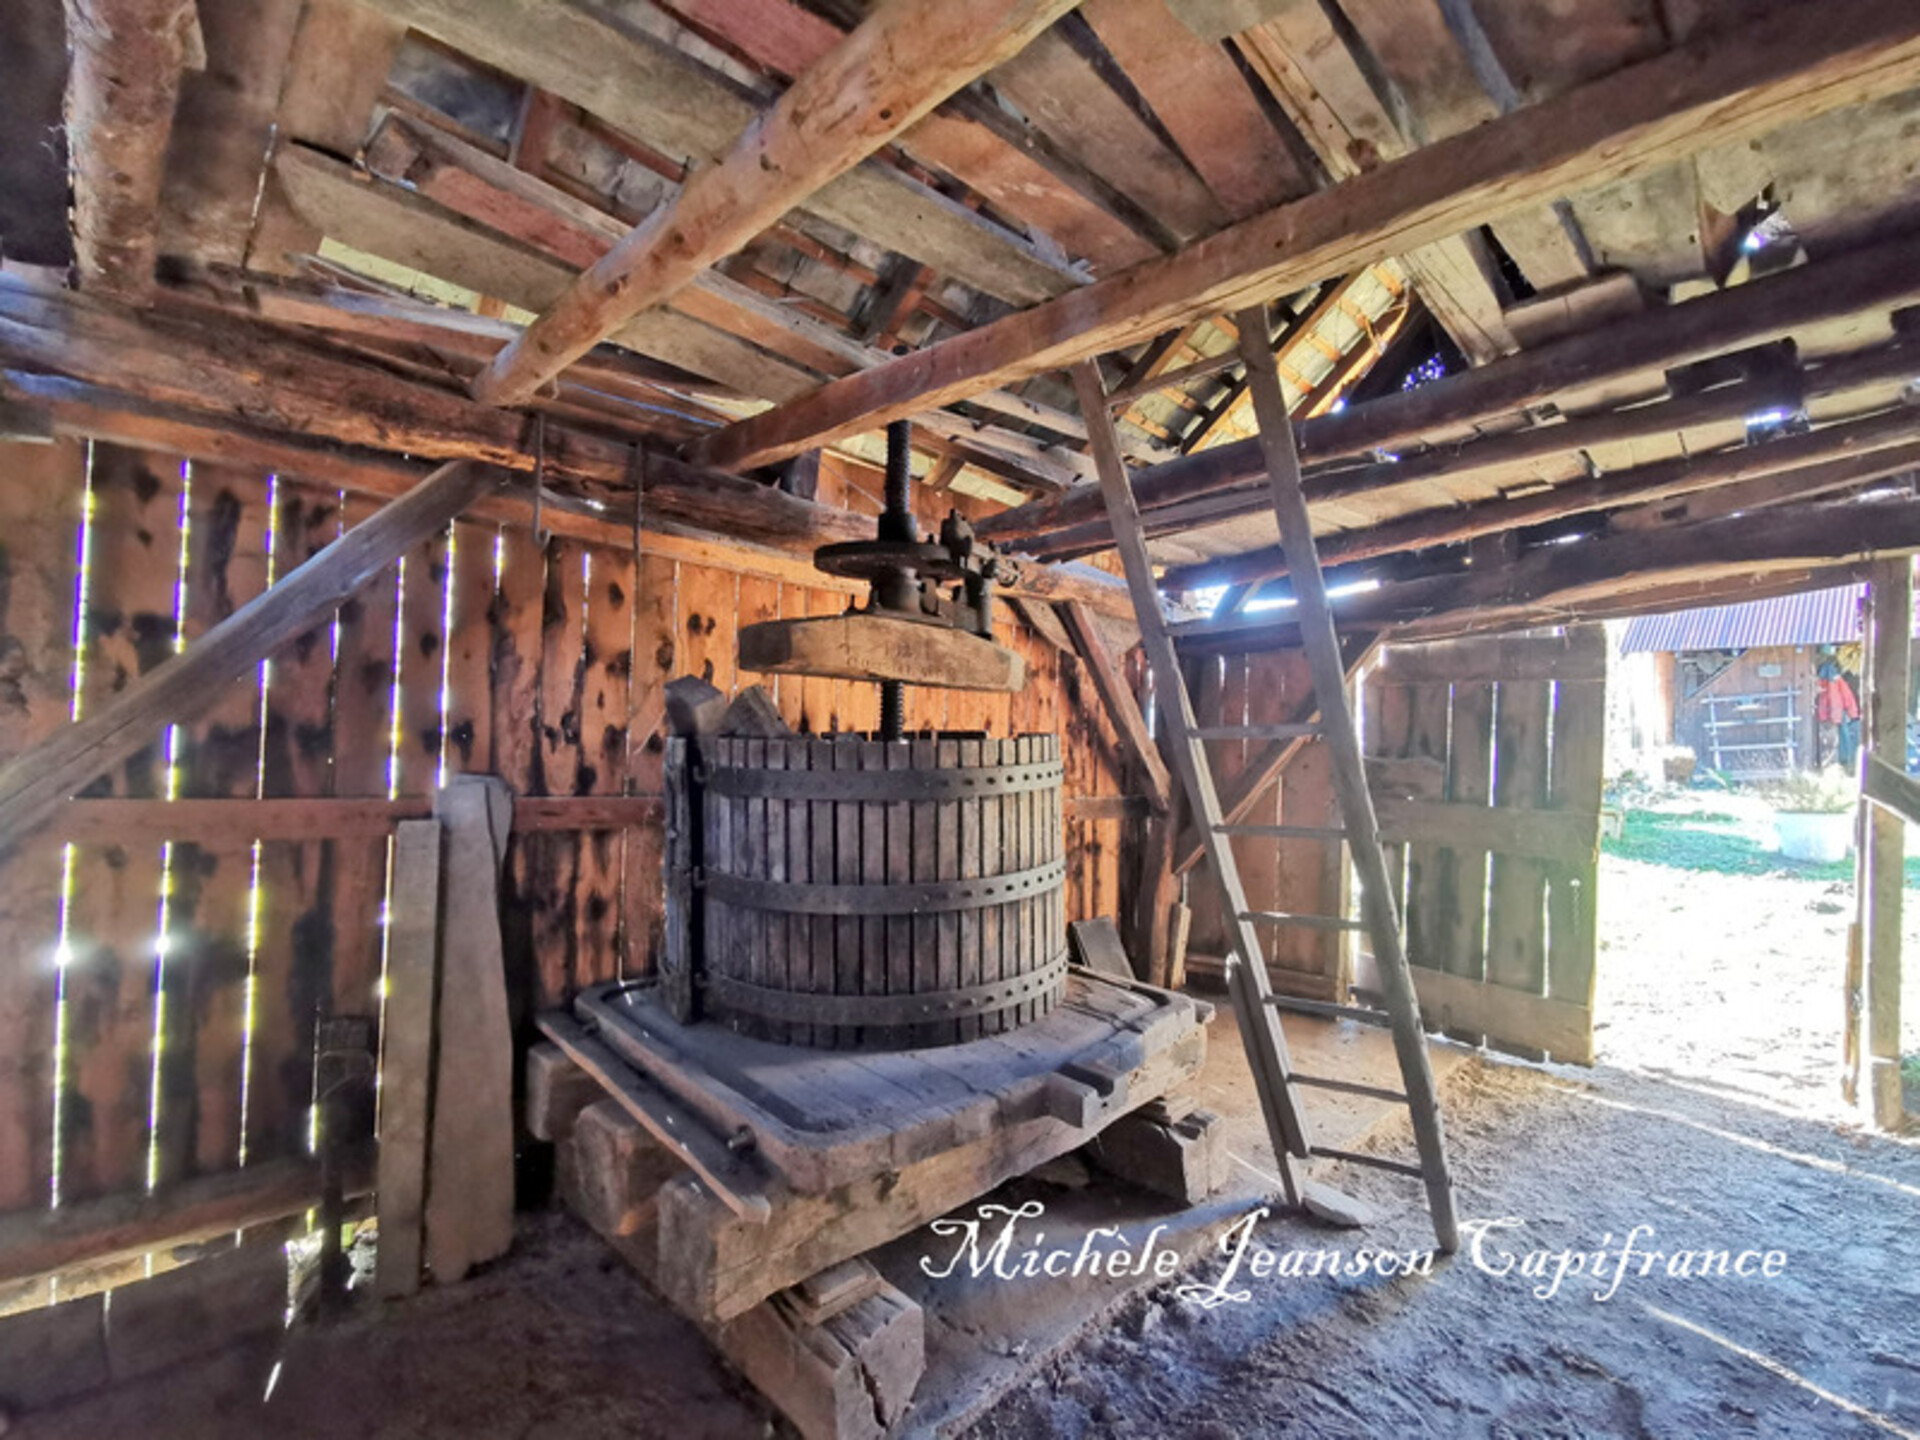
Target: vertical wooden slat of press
(133,570)
(470,650)
(1578,762)
(1516,918)
(552,857)
(847,954)
(1470,782)
(1428,896)
(1008,810)
(897,941)
(717,845)
(873,871)
(1026,855)
(42,492)
(204,991)
(514,622)
(604,711)
(944,951)
(750,846)
(794,933)
(994,938)
(1052,818)
(972,867)
(773,927)
(305,961)
(654,647)
(823,931)
(923,931)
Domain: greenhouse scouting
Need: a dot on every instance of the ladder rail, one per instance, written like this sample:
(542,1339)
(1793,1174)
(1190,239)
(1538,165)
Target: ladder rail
(1314,615)
(1266,1045)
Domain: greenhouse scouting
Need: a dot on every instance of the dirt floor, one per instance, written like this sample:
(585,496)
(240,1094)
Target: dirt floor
(1712,1119)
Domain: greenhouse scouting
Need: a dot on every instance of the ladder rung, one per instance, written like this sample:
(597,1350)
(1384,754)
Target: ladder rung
(1378,1162)
(1256,732)
(1326,1009)
(1285,832)
(1348,1087)
(1309,922)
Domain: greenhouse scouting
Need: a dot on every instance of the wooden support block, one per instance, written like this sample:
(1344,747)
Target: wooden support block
(407,1070)
(754,716)
(878,647)
(1096,945)
(50,1355)
(1184,1159)
(154,1325)
(1179,928)
(610,1170)
(849,1377)
(469,1214)
(694,706)
(819,1298)
(557,1091)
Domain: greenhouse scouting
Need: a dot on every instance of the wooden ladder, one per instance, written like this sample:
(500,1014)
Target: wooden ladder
(1275,1079)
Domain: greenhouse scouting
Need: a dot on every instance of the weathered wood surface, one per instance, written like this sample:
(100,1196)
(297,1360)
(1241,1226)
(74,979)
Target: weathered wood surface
(413,970)
(879,647)
(122,84)
(1788,64)
(903,60)
(1883,865)
(636,83)
(469,1209)
(33,785)
(756,964)
(1493,790)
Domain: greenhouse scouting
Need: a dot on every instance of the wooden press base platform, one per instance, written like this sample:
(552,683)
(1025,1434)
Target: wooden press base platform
(746,1180)
(766,1164)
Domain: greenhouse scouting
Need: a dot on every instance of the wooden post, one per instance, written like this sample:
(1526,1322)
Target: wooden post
(406,1094)
(1883,864)
(121,87)
(39,781)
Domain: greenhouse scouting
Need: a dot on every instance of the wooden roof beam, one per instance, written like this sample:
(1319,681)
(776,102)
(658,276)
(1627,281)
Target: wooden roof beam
(1786,65)
(122,84)
(1876,278)
(904,60)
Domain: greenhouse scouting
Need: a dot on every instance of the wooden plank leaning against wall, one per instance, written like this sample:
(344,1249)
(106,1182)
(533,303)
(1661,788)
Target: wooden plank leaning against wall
(551,661)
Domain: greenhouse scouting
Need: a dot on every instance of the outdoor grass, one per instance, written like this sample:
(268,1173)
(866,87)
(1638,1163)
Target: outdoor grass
(1718,843)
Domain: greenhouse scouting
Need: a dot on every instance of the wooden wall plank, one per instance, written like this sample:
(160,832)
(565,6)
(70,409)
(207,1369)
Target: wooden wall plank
(1429,900)
(604,716)
(319,948)
(469,737)
(1516,918)
(134,564)
(1578,762)
(42,489)
(553,860)
(1463,939)
(654,656)
(204,995)
(515,625)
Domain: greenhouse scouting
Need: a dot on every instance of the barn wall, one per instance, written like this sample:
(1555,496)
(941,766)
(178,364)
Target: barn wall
(1792,668)
(127,1063)
(1307,877)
